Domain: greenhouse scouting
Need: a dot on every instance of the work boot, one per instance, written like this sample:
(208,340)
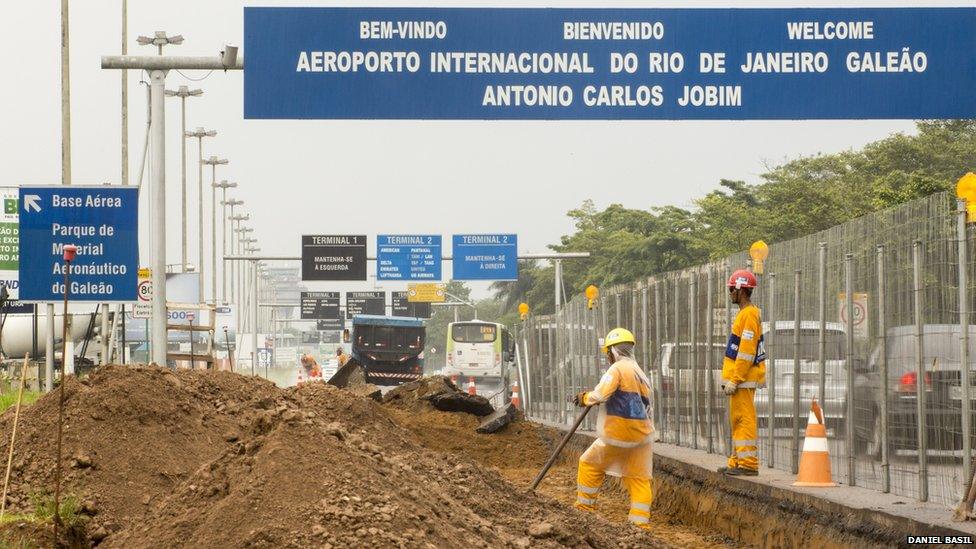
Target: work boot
(722,469)
(741,472)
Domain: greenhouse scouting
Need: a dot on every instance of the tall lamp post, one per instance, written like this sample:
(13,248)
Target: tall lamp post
(157,107)
(242,240)
(233,202)
(183,92)
(235,234)
(200,133)
(213,162)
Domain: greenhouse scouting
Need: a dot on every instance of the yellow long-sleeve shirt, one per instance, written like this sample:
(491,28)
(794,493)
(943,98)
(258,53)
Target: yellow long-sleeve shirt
(745,354)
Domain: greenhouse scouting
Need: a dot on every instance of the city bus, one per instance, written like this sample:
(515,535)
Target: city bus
(483,351)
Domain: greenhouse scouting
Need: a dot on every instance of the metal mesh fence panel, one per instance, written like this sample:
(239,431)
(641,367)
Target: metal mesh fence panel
(864,317)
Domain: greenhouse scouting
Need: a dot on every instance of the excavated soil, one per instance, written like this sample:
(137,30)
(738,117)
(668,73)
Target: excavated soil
(518,452)
(214,459)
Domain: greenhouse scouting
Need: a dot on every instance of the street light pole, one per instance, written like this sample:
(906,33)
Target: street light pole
(183,93)
(213,162)
(200,133)
(157,67)
(232,202)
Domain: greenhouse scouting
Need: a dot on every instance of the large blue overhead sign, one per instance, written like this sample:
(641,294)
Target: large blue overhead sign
(408,257)
(101,221)
(485,257)
(521,63)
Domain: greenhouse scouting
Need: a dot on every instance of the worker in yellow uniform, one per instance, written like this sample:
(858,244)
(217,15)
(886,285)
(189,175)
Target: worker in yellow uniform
(341,357)
(743,371)
(624,429)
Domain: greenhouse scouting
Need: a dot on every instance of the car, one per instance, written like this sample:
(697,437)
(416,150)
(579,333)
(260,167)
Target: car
(943,390)
(778,337)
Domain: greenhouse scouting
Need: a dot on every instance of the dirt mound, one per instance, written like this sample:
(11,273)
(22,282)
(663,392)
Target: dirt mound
(440,393)
(518,452)
(214,459)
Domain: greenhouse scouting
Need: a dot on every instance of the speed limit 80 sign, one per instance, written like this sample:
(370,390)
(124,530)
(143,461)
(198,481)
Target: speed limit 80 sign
(143,307)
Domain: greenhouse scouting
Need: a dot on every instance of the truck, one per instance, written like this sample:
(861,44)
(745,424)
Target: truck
(387,349)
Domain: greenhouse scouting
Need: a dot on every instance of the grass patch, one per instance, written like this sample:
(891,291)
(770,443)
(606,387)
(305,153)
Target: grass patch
(69,511)
(9,400)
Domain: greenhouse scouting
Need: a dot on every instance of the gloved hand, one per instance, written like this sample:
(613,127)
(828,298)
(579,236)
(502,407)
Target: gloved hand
(730,388)
(579,399)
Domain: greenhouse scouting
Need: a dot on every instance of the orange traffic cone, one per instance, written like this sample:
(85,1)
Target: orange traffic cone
(815,460)
(472,390)
(515,395)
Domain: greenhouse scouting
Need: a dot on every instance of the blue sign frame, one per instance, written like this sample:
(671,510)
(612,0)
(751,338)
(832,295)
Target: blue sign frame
(485,257)
(102,221)
(408,257)
(609,64)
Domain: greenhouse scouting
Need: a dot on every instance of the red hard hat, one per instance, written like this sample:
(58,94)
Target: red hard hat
(742,279)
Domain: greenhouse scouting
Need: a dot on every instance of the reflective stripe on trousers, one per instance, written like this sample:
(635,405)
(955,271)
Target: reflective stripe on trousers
(742,416)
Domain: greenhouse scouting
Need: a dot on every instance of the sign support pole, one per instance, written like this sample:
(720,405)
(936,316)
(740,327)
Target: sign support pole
(254,313)
(157,82)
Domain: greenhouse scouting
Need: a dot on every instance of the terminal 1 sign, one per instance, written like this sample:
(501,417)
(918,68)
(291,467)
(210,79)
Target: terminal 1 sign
(530,63)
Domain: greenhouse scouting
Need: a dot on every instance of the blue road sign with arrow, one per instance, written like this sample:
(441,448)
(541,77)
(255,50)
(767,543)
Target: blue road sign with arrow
(102,221)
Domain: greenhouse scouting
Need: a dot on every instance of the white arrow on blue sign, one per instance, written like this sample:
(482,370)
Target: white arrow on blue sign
(101,221)
(485,257)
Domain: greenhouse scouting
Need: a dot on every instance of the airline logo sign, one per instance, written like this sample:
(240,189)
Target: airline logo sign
(408,257)
(365,303)
(609,64)
(320,305)
(425,292)
(485,257)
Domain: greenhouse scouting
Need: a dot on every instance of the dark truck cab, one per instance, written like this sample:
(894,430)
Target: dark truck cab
(388,348)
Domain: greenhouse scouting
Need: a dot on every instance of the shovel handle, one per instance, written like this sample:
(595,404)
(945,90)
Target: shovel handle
(559,448)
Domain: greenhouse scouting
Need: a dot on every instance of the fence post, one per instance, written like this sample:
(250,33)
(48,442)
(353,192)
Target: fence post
(709,375)
(797,372)
(771,375)
(545,369)
(657,355)
(822,336)
(849,306)
(883,359)
(675,359)
(550,371)
(963,264)
(616,309)
(920,418)
(693,334)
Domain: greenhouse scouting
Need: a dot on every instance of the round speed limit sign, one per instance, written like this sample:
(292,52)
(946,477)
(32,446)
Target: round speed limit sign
(145,290)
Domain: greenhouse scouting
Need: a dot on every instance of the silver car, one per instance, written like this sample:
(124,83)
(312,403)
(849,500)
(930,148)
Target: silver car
(780,350)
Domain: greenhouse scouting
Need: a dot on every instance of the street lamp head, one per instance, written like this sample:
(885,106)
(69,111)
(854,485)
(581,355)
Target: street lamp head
(200,132)
(214,161)
(159,39)
(232,202)
(183,92)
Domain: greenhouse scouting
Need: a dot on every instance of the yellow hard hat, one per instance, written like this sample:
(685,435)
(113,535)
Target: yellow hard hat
(618,335)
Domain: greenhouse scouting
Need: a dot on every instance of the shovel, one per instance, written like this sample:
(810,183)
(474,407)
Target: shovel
(559,448)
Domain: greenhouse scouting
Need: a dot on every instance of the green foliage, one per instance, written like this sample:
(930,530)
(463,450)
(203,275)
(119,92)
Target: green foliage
(796,198)
(69,510)
(8,400)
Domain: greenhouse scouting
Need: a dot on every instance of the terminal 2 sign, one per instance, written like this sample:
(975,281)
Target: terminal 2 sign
(531,63)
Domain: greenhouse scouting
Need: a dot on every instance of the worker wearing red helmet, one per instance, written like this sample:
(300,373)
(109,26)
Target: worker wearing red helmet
(743,371)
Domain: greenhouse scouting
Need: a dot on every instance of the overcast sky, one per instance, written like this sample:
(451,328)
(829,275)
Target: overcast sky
(366,177)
